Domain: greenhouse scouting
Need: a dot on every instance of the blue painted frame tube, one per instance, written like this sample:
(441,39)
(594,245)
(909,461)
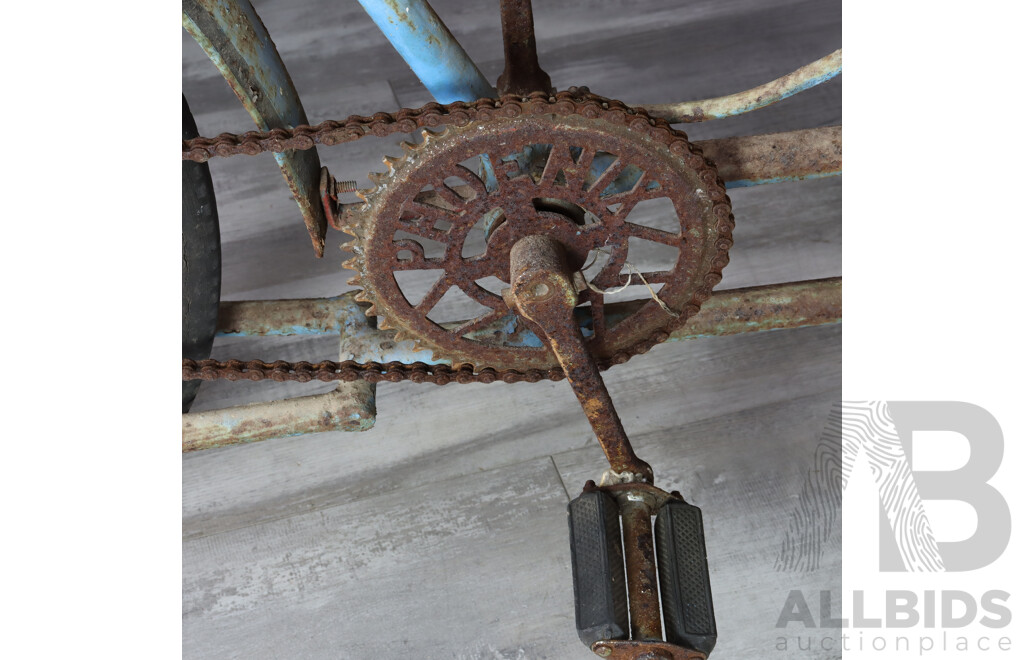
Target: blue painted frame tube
(237,42)
(770,307)
(430,50)
(805,77)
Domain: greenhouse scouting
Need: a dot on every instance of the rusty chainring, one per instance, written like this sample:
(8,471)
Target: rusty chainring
(559,173)
(552,189)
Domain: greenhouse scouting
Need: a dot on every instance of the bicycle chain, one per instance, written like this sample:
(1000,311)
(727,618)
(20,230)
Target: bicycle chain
(575,100)
(375,372)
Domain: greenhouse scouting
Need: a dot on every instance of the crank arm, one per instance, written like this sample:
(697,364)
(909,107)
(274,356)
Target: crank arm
(542,290)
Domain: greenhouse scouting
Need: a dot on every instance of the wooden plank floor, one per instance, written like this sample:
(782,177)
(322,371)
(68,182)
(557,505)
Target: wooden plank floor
(441,532)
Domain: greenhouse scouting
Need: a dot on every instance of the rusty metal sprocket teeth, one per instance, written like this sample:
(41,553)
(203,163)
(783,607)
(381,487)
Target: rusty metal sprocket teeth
(355,220)
(573,166)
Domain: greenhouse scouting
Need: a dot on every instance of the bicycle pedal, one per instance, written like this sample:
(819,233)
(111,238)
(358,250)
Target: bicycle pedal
(683,576)
(598,575)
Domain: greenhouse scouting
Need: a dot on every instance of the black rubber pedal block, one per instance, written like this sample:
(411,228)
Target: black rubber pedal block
(598,576)
(683,575)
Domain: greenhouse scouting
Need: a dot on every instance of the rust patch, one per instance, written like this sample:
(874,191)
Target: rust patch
(350,407)
(792,155)
(522,73)
(621,649)
(279,317)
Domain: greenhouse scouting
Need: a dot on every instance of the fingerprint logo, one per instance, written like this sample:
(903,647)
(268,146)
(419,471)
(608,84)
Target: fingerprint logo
(856,428)
(819,505)
(868,427)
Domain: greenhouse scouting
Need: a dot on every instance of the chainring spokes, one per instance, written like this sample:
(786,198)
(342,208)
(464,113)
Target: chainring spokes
(433,243)
(468,217)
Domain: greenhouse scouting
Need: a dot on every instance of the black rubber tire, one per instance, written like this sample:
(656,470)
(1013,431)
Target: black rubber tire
(200,260)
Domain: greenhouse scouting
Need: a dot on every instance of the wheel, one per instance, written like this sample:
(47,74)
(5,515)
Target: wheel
(200,259)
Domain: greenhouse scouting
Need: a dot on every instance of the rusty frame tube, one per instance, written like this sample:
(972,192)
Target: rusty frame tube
(522,73)
(769,307)
(237,42)
(298,316)
(727,312)
(342,314)
(754,160)
(793,156)
(803,78)
(349,407)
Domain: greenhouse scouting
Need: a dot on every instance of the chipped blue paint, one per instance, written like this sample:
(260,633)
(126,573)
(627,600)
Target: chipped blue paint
(487,173)
(511,321)
(236,41)
(761,102)
(623,183)
(528,339)
(490,219)
(362,343)
(238,21)
(522,339)
(746,183)
(534,156)
(430,50)
(334,305)
(280,332)
(586,320)
(506,327)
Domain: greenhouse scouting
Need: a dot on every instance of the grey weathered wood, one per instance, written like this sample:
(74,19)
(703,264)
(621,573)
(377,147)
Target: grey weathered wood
(300,547)
(422,572)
